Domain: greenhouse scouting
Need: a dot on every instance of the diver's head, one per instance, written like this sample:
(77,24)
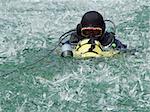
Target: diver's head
(92,24)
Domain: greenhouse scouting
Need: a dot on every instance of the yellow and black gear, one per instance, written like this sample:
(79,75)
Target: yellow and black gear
(87,49)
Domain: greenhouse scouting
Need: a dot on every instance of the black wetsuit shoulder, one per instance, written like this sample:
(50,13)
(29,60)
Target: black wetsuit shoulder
(74,38)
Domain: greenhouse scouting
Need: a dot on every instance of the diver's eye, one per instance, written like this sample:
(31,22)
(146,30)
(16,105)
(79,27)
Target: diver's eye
(91,31)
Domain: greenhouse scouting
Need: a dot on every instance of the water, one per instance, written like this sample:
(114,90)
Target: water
(29,29)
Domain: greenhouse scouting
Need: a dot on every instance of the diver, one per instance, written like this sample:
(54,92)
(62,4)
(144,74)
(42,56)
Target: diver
(91,27)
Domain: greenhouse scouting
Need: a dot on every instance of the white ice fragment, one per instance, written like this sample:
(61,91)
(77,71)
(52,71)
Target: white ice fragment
(66,96)
(1,109)
(43,80)
(44,95)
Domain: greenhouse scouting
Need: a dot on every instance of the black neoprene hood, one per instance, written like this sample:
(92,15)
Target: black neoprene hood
(93,19)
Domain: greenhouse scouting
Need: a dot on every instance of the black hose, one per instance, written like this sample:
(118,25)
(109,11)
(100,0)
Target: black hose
(52,50)
(70,31)
(114,26)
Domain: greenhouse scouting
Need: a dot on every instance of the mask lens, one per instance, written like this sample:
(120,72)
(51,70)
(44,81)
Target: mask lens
(96,32)
(91,31)
(86,32)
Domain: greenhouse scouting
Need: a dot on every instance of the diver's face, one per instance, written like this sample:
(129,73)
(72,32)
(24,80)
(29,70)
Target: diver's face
(91,31)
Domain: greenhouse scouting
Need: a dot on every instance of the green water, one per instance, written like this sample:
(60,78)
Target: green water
(29,29)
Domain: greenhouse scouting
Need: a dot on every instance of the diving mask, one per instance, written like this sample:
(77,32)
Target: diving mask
(91,31)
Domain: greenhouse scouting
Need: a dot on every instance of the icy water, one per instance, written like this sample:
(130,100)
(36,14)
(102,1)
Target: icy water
(29,29)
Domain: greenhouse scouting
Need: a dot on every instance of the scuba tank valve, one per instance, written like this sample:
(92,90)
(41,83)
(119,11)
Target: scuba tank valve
(66,50)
